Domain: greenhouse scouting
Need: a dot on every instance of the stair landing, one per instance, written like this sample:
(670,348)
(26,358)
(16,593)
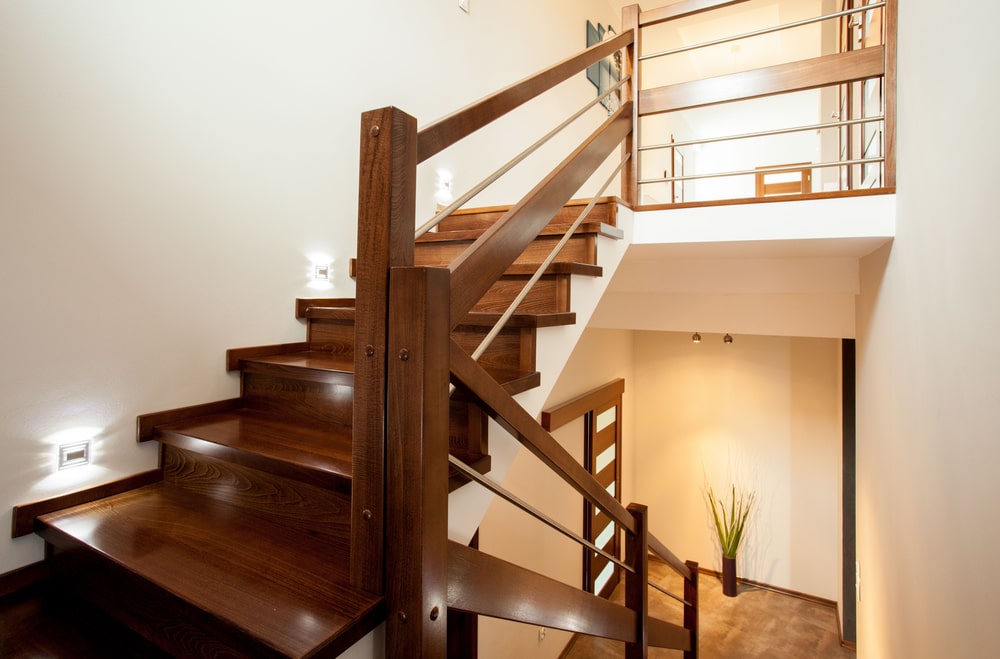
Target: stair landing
(252,572)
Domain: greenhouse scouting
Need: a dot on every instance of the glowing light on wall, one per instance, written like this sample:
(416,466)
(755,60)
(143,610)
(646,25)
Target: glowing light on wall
(320,272)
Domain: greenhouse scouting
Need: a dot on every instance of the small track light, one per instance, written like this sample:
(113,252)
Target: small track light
(727,338)
(696,337)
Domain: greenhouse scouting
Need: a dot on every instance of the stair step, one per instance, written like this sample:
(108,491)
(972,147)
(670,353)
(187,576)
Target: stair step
(606,210)
(203,571)
(488,319)
(310,452)
(313,365)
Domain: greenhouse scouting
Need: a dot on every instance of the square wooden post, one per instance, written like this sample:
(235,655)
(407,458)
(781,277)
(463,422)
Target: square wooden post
(637,583)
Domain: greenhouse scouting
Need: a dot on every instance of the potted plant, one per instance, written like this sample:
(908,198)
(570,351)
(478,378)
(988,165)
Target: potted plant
(730,525)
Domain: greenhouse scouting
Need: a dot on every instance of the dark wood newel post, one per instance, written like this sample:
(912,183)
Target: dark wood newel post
(630,174)
(417,463)
(637,583)
(386,213)
(691,609)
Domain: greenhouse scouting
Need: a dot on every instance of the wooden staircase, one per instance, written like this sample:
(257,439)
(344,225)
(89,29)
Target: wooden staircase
(241,544)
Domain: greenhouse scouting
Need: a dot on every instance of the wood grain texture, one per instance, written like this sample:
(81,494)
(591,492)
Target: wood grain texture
(465,219)
(636,583)
(313,453)
(245,572)
(781,78)
(580,249)
(303,304)
(486,260)
(386,217)
(559,415)
(145,423)
(682,9)
(309,399)
(506,411)
(769,200)
(417,408)
(891,29)
(691,608)
(23,517)
(480,583)
(455,127)
(235,355)
(630,147)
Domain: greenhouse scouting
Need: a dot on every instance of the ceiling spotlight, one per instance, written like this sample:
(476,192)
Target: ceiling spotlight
(727,338)
(696,337)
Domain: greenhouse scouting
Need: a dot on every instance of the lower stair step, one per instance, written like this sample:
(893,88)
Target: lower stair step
(317,453)
(205,576)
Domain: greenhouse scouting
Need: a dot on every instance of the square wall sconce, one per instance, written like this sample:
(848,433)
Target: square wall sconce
(74,455)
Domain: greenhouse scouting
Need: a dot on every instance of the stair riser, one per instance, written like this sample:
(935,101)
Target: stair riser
(304,399)
(334,336)
(550,294)
(466,221)
(512,350)
(467,432)
(301,505)
(579,249)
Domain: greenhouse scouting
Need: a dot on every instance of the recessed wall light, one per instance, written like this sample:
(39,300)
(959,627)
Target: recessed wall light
(74,455)
(322,272)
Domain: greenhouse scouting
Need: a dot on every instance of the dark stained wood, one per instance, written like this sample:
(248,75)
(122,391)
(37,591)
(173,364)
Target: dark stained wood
(559,415)
(667,556)
(891,28)
(683,9)
(604,211)
(310,398)
(455,127)
(145,423)
(311,365)
(235,355)
(386,217)
(581,248)
(24,514)
(335,336)
(417,463)
(486,260)
(313,453)
(487,585)
(691,609)
(770,200)
(636,583)
(663,634)
(630,147)
(303,304)
(506,411)
(533,320)
(513,349)
(28,576)
(781,78)
(287,586)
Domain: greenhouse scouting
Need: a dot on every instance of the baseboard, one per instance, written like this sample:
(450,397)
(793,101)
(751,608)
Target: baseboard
(23,578)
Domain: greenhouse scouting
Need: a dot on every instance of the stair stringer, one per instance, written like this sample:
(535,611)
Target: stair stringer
(467,505)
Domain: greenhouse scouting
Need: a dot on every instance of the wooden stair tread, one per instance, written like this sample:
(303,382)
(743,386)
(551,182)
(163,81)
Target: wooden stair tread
(489,319)
(317,453)
(556,268)
(316,365)
(286,587)
(551,230)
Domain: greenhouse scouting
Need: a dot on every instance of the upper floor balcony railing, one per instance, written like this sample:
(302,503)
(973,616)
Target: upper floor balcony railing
(764,97)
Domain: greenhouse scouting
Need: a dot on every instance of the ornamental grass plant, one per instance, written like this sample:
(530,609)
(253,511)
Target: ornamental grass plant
(731,523)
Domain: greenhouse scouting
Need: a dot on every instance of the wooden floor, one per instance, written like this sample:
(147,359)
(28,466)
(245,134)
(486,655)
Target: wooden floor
(755,623)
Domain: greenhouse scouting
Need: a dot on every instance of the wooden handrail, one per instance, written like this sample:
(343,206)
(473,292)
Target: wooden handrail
(813,73)
(455,127)
(559,415)
(507,412)
(668,557)
(490,255)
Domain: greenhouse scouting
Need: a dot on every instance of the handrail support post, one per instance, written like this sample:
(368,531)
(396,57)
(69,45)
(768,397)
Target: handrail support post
(691,608)
(637,582)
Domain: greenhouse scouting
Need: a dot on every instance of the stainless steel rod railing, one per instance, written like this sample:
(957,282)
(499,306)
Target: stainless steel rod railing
(763,170)
(669,594)
(498,327)
(489,180)
(534,512)
(769,30)
(765,133)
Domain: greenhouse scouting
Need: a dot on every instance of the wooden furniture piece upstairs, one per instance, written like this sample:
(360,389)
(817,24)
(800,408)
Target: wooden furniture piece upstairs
(770,182)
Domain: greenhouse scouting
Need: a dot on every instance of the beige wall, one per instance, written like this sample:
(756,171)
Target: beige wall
(599,357)
(170,170)
(763,410)
(928,402)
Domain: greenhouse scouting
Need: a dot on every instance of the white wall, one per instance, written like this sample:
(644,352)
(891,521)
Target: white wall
(763,411)
(599,357)
(928,402)
(170,171)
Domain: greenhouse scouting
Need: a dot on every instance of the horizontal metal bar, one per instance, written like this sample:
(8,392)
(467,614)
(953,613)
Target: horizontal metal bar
(763,170)
(768,30)
(512,307)
(764,133)
(669,594)
(489,180)
(534,512)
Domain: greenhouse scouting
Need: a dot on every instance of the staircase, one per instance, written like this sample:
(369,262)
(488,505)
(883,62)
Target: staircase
(241,545)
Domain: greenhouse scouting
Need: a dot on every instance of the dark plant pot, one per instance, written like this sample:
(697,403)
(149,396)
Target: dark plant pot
(729,576)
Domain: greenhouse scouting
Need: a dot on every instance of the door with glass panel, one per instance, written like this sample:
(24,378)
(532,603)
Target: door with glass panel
(602,458)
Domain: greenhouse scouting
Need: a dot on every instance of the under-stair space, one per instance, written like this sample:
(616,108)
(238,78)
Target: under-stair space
(241,544)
